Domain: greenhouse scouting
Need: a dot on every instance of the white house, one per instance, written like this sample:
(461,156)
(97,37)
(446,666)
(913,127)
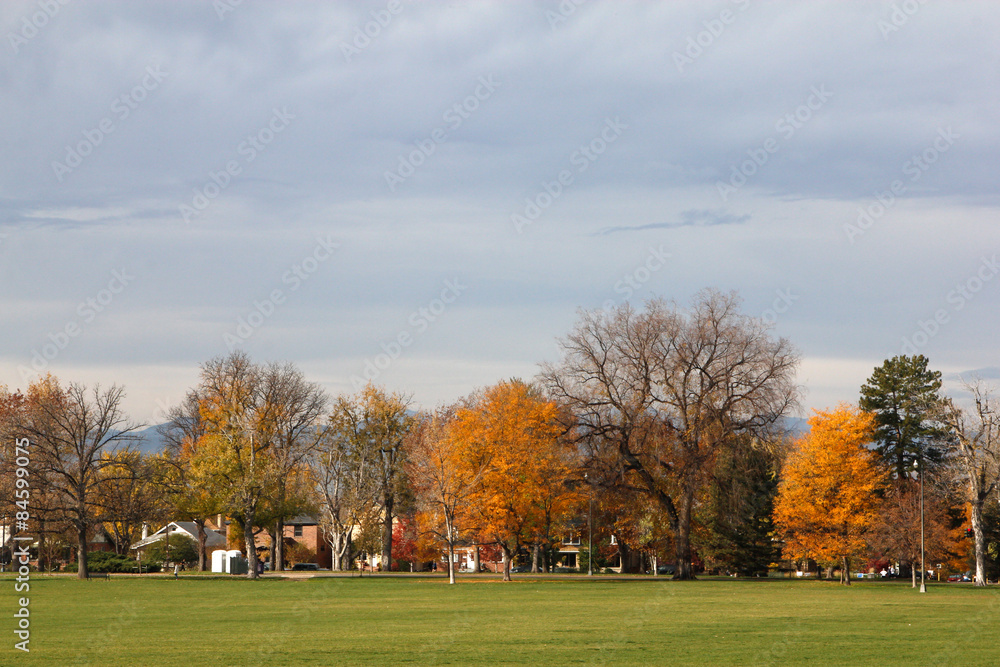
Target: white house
(213,540)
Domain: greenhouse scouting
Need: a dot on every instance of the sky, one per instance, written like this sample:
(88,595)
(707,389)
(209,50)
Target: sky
(426,194)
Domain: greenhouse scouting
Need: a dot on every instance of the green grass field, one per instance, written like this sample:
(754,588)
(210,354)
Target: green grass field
(399,620)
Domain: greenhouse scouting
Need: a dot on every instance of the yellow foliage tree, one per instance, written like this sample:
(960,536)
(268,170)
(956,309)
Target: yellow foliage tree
(827,498)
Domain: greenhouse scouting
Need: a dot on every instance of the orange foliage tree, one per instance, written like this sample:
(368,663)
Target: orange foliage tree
(512,433)
(443,475)
(827,499)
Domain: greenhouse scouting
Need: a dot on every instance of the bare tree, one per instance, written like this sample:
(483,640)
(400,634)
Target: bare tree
(347,483)
(377,422)
(292,410)
(665,390)
(71,429)
(131,492)
(191,493)
(976,442)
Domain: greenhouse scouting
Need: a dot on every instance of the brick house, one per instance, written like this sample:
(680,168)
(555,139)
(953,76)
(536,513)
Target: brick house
(302,530)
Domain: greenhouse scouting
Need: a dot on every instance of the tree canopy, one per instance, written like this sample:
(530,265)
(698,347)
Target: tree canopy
(827,499)
(903,394)
(658,394)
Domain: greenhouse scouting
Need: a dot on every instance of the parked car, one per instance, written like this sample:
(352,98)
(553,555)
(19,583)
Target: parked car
(959,577)
(666,569)
(305,566)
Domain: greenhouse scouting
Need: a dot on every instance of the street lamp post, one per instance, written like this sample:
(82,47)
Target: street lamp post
(923,569)
(590,528)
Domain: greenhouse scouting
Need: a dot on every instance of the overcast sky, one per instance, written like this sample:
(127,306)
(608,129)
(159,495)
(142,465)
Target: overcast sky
(446,184)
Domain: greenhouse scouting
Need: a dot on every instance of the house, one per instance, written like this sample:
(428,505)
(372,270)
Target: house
(569,550)
(213,540)
(303,531)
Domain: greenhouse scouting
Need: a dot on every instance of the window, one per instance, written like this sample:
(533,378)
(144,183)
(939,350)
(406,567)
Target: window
(297,531)
(614,542)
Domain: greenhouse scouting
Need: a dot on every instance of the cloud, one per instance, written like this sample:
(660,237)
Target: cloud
(744,111)
(987,373)
(689,218)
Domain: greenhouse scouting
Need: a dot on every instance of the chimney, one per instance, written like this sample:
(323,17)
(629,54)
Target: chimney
(145,530)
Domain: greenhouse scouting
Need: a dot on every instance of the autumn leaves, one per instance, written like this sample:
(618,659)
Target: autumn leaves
(493,471)
(827,500)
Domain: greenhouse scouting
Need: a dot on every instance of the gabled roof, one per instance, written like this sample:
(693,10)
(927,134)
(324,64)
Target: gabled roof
(302,520)
(213,539)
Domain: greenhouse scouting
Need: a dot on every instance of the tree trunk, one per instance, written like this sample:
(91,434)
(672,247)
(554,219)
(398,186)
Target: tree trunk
(340,550)
(624,556)
(278,561)
(980,540)
(334,543)
(202,540)
(349,549)
(683,536)
(536,557)
(43,556)
(251,549)
(451,562)
(475,561)
(506,562)
(388,504)
(81,553)
(845,570)
(913,576)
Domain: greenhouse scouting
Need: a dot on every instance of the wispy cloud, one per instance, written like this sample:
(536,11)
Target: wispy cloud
(689,218)
(987,373)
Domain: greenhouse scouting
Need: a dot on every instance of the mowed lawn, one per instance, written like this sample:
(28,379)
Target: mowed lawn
(400,620)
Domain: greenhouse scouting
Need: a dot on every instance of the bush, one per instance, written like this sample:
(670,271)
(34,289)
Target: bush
(300,553)
(107,561)
(183,549)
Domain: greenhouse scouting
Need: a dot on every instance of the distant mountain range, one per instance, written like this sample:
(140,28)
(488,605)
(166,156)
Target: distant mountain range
(796,426)
(151,442)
